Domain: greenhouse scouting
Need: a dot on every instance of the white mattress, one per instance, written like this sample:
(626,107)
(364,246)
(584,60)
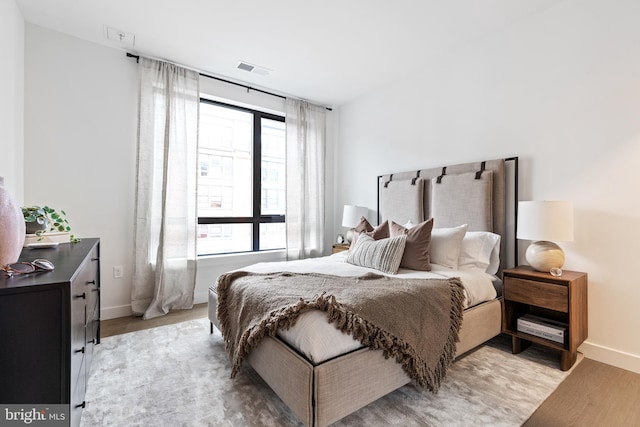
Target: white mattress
(316,339)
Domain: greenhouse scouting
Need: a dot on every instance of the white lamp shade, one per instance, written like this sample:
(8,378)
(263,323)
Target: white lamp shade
(351,215)
(545,220)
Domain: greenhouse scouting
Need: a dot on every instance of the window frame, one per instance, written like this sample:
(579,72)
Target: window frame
(257,217)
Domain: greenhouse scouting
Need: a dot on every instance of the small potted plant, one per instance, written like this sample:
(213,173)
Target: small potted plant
(36,219)
(39,220)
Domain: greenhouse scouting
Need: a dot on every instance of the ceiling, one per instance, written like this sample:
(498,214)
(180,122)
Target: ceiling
(328,52)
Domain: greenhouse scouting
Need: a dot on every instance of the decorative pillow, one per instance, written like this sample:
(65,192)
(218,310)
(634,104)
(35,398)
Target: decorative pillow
(383,255)
(380,232)
(477,251)
(416,250)
(446,244)
(363,226)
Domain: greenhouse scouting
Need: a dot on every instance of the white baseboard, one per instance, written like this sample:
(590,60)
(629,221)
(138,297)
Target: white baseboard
(107,313)
(209,268)
(115,312)
(610,356)
(200,298)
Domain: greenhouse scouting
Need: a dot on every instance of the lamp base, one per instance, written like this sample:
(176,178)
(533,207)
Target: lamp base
(350,235)
(545,256)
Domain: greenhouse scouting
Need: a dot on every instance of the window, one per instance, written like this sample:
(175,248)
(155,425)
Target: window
(241,180)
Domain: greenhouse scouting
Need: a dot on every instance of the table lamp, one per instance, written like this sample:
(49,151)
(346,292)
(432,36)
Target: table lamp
(351,217)
(545,222)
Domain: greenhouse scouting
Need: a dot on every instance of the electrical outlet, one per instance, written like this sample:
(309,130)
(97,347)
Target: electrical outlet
(117,272)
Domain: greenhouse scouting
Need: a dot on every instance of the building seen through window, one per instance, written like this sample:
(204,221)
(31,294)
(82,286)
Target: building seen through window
(241,180)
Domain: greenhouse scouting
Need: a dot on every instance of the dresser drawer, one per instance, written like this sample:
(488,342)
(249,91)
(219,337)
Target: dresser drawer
(78,391)
(78,335)
(541,294)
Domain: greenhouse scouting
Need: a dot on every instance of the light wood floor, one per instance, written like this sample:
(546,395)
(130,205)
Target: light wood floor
(122,325)
(594,394)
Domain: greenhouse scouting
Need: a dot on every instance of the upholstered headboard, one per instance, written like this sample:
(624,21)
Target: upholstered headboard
(477,194)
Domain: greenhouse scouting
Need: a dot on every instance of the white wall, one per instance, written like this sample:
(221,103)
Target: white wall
(12,98)
(80,146)
(561,90)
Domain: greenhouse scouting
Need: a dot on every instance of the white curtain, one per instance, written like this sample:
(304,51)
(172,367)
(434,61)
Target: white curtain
(305,124)
(165,229)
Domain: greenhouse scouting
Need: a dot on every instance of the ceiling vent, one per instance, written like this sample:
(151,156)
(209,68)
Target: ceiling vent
(119,36)
(255,69)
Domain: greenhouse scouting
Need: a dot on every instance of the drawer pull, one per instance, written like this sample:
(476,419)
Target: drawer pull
(83,296)
(90,282)
(80,351)
(95,259)
(82,405)
(93,341)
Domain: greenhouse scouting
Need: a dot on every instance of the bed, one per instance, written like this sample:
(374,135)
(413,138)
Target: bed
(320,386)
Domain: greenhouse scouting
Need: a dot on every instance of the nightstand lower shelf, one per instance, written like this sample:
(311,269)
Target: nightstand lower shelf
(520,341)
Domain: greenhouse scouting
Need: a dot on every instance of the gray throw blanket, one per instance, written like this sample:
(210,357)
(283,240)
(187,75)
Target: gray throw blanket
(415,321)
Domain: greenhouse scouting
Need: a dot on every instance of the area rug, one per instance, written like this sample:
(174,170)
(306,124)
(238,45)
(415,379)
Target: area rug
(178,375)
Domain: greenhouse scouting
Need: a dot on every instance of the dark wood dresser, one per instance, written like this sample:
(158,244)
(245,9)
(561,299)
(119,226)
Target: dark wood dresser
(49,324)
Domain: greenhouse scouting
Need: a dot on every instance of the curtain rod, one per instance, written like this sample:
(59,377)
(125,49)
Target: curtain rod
(137,57)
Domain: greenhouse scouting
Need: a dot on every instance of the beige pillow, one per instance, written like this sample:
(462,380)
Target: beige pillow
(416,250)
(383,255)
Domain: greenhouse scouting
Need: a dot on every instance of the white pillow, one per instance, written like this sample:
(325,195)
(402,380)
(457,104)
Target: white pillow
(494,265)
(480,250)
(446,244)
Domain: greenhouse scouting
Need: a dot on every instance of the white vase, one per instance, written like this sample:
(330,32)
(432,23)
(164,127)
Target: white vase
(12,229)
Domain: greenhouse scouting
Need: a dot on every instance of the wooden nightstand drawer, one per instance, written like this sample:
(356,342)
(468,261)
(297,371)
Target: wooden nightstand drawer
(339,247)
(548,295)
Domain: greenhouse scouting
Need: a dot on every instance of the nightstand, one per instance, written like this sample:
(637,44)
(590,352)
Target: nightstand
(561,299)
(339,247)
